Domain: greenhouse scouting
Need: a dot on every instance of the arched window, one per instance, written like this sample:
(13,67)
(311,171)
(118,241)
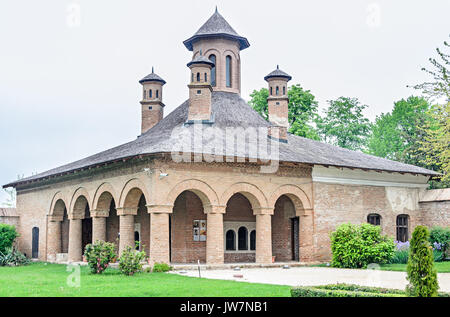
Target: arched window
(228,70)
(198,76)
(35,243)
(402,228)
(278,90)
(253,240)
(230,240)
(150,93)
(271,91)
(284,90)
(157,93)
(242,239)
(212,58)
(374,219)
(206,77)
(145,94)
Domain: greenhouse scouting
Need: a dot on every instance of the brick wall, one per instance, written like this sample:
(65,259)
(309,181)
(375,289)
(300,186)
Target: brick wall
(282,229)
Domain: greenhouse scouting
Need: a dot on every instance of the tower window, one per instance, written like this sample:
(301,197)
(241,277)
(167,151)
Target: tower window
(192,77)
(157,93)
(206,77)
(199,92)
(212,58)
(228,70)
(278,90)
(284,90)
(150,93)
(144,94)
(271,91)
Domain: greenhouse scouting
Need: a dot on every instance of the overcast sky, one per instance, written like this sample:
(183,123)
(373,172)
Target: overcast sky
(69,82)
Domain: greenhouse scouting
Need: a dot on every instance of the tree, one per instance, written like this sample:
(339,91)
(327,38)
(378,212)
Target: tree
(344,124)
(396,135)
(11,200)
(303,110)
(422,275)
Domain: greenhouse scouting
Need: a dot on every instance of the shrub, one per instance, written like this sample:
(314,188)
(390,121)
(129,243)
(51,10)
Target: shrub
(440,240)
(130,261)
(99,255)
(12,257)
(161,267)
(356,246)
(7,236)
(422,275)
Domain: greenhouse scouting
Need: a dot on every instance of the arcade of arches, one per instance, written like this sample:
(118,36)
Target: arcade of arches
(243,226)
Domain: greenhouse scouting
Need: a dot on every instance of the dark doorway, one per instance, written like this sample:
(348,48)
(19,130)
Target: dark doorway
(137,240)
(35,243)
(86,229)
(295,241)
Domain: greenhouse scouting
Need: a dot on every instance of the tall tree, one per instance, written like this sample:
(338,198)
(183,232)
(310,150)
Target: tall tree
(396,135)
(344,124)
(303,110)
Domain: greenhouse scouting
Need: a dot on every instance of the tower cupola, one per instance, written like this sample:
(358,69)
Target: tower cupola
(221,44)
(278,103)
(200,89)
(152,105)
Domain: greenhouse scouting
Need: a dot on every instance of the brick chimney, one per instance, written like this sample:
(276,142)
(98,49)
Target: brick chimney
(278,102)
(152,106)
(200,90)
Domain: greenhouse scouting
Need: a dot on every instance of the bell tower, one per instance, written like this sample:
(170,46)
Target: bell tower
(278,103)
(221,44)
(152,105)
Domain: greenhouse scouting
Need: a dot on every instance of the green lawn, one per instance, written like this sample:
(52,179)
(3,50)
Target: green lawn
(441,267)
(45,280)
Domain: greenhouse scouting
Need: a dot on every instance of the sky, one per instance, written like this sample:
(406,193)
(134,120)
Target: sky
(69,69)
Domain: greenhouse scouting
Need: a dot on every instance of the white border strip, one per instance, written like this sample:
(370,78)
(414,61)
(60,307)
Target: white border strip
(349,181)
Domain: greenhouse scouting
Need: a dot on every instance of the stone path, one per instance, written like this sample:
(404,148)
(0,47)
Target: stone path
(311,276)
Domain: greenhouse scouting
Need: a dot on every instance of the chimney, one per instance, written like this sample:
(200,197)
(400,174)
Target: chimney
(278,102)
(152,106)
(200,90)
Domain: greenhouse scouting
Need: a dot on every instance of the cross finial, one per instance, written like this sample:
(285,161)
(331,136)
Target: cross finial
(278,66)
(153,70)
(217,10)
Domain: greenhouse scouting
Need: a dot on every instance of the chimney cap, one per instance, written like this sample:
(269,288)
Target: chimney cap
(278,73)
(152,78)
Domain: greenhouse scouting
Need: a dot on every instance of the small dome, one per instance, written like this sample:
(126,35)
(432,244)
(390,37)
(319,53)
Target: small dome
(152,77)
(278,73)
(201,59)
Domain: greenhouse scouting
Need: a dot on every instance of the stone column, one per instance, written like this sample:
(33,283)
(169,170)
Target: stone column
(126,228)
(99,225)
(159,234)
(214,234)
(75,253)
(306,231)
(54,237)
(264,235)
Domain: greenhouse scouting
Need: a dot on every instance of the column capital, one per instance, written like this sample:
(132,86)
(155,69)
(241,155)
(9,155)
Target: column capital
(75,217)
(99,213)
(211,209)
(55,218)
(263,211)
(127,211)
(304,212)
(160,209)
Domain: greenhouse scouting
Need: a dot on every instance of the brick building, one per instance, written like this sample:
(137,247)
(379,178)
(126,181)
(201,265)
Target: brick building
(214,181)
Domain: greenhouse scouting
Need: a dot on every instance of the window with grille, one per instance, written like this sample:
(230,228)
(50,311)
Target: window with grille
(402,228)
(374,219)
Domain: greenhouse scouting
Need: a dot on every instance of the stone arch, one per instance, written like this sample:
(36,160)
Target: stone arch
(295,193)
(78,203)
(131,194)
(58,205)
(103,196)
(254,195)
(206,194)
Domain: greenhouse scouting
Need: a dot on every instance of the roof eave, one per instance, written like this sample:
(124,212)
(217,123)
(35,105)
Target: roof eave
(243,42)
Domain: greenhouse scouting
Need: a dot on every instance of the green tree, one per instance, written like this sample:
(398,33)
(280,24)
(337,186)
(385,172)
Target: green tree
(303,110)
(396,135)
(422,275)
(344,124)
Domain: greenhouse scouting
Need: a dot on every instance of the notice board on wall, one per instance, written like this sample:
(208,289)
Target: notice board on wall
(200,230)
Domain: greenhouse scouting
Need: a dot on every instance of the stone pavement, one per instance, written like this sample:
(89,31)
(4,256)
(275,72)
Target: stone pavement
(311,276)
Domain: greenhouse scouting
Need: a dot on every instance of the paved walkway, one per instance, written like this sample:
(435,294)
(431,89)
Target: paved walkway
(311,276)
